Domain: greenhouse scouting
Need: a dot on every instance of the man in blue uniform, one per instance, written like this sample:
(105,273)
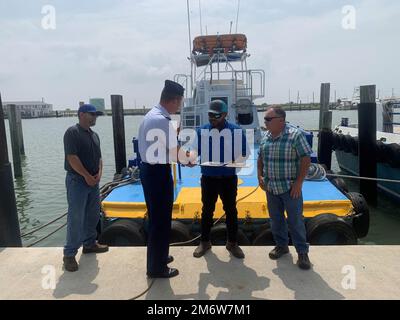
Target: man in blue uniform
(84,169)
(220,180)
(158,148)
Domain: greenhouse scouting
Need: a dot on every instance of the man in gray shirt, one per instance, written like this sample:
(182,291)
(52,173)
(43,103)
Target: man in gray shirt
(84,169)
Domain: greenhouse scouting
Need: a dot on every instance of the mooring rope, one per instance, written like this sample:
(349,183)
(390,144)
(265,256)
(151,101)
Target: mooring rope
(361,178)
(318,172)
(43,226)
(104,192)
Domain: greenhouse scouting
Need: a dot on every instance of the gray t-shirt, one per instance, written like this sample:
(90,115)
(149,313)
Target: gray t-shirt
(86,145)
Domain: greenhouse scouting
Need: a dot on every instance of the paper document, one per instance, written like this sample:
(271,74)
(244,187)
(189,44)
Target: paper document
(227,165)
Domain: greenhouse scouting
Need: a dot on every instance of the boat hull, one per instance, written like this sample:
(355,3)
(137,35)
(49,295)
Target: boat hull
(350,163)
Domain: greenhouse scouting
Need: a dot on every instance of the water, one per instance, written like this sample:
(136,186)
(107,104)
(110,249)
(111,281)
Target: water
(41,192)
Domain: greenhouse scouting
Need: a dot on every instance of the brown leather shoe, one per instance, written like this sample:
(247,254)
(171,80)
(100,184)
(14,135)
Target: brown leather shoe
(70,264)
(233,248)
(203,247)
(278,252)
(96,248)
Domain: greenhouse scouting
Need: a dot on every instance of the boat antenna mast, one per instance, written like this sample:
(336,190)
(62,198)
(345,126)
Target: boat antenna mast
(237,16)
(201,21)
(190,48)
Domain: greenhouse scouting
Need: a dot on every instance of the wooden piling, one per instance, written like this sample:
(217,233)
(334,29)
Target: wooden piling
(325,94)
(367,141)
(325,141)
(15,141)
(20,133)
(9,225)
(119,132)
(387,117)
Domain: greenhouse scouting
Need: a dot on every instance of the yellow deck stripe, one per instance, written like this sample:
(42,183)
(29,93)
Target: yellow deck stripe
(188,205)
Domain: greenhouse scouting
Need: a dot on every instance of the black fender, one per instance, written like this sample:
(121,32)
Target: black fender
(123,233)
(362,217)
(329,229)
(180,233)
(218,235)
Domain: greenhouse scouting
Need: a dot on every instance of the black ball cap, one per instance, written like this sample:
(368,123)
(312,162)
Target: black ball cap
(173,88)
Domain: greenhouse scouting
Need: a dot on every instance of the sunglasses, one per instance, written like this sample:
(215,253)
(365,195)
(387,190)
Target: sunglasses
(93,114)
(214,115)
(269,119)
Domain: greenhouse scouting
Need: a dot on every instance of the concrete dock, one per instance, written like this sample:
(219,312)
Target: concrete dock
(351,272)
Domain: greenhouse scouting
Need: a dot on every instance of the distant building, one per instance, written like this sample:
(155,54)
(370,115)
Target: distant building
(98,103)
(32,109)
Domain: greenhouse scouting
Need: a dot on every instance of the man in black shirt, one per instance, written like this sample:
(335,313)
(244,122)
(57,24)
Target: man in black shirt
(84,169)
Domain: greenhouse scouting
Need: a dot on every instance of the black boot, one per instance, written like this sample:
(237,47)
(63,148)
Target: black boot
(70,264)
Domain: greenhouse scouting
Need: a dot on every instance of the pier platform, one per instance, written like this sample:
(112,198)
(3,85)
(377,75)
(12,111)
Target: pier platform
(350,272)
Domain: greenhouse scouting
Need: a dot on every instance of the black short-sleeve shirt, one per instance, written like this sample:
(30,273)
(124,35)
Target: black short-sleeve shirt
(86,145)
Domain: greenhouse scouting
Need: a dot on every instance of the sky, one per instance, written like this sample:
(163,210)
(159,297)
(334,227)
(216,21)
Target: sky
(129,47)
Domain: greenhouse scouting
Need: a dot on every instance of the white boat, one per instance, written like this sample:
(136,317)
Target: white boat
(219,71)
(387,146)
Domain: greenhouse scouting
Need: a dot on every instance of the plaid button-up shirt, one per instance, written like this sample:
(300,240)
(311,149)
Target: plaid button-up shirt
(281,158)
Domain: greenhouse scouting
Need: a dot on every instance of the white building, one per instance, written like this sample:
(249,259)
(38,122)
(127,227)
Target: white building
(32,109)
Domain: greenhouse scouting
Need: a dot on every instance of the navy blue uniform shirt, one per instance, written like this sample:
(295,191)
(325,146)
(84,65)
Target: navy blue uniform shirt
(234,154)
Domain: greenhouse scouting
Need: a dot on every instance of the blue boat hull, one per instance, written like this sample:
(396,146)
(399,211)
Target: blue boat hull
(350,163)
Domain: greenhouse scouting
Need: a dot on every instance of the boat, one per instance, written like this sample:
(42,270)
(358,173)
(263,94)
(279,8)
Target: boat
(345,144)
(333,215)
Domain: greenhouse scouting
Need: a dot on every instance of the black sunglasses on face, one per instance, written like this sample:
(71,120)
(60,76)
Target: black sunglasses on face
(268,119)
(214,115)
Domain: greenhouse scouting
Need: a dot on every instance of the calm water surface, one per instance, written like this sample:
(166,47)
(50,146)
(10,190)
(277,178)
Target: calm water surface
(41,192)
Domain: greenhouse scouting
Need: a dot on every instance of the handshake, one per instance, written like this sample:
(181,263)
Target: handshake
(187,158)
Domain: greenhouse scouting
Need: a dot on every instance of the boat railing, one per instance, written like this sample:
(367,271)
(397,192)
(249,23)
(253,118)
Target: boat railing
(190,117)
(184,80)
(248,89)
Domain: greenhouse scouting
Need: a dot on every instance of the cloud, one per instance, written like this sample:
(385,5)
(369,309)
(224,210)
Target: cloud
(130,47)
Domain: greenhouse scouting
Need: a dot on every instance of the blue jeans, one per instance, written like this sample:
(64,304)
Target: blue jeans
(83,214)
(277,204)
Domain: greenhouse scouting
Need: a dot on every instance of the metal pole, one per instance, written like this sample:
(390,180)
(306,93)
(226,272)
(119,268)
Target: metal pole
(237,16)
(366,142)
(201,22)
(190,48)
(9,225)
(16,150)
(119,132)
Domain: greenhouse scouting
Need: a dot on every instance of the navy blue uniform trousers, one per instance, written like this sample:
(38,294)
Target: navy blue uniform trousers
(158,190)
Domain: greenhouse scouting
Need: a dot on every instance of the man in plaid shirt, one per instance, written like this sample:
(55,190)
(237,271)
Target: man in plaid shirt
(283,163)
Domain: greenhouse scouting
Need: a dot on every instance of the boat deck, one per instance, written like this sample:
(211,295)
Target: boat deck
(319,197)
(120,274)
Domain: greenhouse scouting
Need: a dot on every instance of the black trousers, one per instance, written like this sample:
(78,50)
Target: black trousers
(226,188)
(158,190)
